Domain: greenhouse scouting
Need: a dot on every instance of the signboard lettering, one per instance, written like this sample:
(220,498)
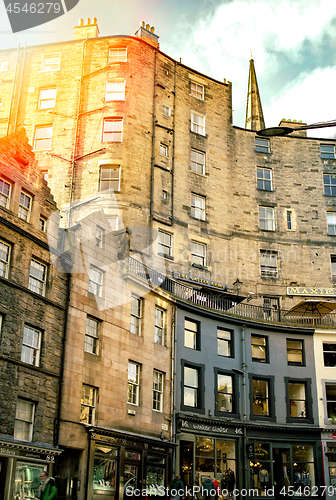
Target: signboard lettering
(201,281)
(303,290)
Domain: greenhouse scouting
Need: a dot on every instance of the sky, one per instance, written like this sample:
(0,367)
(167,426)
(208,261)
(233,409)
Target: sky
(293,44)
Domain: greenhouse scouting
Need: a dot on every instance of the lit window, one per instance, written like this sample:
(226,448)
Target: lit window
(197,90)
(327,151)
(329,354)
(259,348)
(260,389)
(191,334)
(197,162)
(333,267)
(133,383)
(166,110)
(24,419)
(4,66)
(191,387)
(99,237)
(96,281)
(37,277)
(91,335)
(224,393)
(4,193)
(112,130)
(115,90)
(4,259)
(197,207)
(297,400)
(198,254)
(163,150)
(262,145)
(31,345)
(47,98)
(157,390)
(136,306)
(25,206)
(164,244)
(109,178)
(42,137)
(117,55)
(88,405)
(266,218)
(331,400)
(198,123)
(289,220)
(42,224)
(295,352)
(51,62)
(224,343)
(331,219)
(269,264)
(159,326)
(329,182)
(264,179)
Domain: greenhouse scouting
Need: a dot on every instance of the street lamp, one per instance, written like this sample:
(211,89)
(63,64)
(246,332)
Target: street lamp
(278,131)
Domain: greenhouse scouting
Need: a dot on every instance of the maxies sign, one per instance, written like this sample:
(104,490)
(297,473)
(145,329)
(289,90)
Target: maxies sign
(303,290)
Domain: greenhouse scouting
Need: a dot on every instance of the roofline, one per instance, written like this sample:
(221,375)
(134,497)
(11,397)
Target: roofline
(289,136)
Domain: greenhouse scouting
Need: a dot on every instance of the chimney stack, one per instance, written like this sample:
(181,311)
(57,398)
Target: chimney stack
(88,30)
(148,33)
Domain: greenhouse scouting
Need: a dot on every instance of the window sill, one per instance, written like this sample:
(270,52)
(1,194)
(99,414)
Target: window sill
(198,134)
(199,266)
(268,418)
(203,220)
(197,173)
(170,257)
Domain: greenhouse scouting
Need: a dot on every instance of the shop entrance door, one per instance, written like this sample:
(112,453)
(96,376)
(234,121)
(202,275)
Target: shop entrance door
(281,471)
(132,475)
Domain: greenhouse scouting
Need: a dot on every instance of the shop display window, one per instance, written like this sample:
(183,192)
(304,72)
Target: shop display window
(27,481)
(260,468)
(226,465)
(205,457)
(303,468)
(155,475)
(105,469)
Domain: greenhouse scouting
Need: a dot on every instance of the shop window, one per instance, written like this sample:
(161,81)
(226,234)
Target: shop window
(43,137)
(31,346)
(95,281)
(105,469)
(192,334)
(198,123)
(37,277)
(158,378)
(295,355)
(155,474)
(262,145)
(159,337)
(303,468)
(88,404)
(260,467)
(165,244)
(329,182)
(197,207)
(47,98)
(298,399)
(24,419)
(115,90)
(197,162)
(269,264)
(133,383)
(136,310)
(27,479)
(117,55)
(224,392)
(327,151)
(329,354)
(331,401)
(25,206)
(262,397)
(198,254)
(259,346)
(193,390)
(224,343)
(331,220)
(264,179)
(5,189)
(4,259)
(266,218)
(91,335)
(112,129)
(205,458)
(109,178)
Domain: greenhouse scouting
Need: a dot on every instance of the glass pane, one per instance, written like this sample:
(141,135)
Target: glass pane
(205,447)
(27,481)
(104,474)
(190,377)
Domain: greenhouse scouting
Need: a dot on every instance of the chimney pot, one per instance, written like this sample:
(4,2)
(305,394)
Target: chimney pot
(88,21)
(94,20)
(152,29)
(143,24)
(81,22)
(147,27)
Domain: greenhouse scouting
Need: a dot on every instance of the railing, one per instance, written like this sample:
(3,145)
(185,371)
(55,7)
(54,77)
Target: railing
(228,306)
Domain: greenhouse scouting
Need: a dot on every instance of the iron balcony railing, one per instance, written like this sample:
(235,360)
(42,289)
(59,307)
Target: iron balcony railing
(228,305)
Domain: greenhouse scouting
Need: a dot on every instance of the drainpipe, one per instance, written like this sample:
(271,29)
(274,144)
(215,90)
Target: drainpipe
(173,159)
(173,368)
(244,404)
(13,88)
(151,207)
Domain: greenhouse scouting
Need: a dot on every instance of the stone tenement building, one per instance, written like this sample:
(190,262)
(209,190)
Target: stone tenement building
(32,318)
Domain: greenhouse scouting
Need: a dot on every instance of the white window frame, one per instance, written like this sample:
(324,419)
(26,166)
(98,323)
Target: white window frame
(266,259)
(197,90)
(198,253)
(136,315)
(197,123)
(191,334)
(42,224)
(120,54)
(31,345)
(262,145)
(160,322)
(191,390)
(91,343)
(88,404)
(158,384)
(266,219)
(197,161)
(163,245)
(330,186)
(116,132)
(25,206)
(289,220)
(163,149)
(115,89)
(197,207)
(24,418)
(4,66)
(55,63)
(133,383)
(327,151)
(47,98)
(263,182)
(4,197)
(331,221)
(37,281)
(166,110)
(44,142)
(4,258)
(107,177)
(96,286)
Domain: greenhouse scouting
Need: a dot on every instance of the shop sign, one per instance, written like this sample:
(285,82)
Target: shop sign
(303,290)
(16,452)
(199,281)
(192,426)
(250,451)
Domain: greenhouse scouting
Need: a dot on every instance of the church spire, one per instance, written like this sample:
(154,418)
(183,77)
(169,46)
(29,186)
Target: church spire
(254,114)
